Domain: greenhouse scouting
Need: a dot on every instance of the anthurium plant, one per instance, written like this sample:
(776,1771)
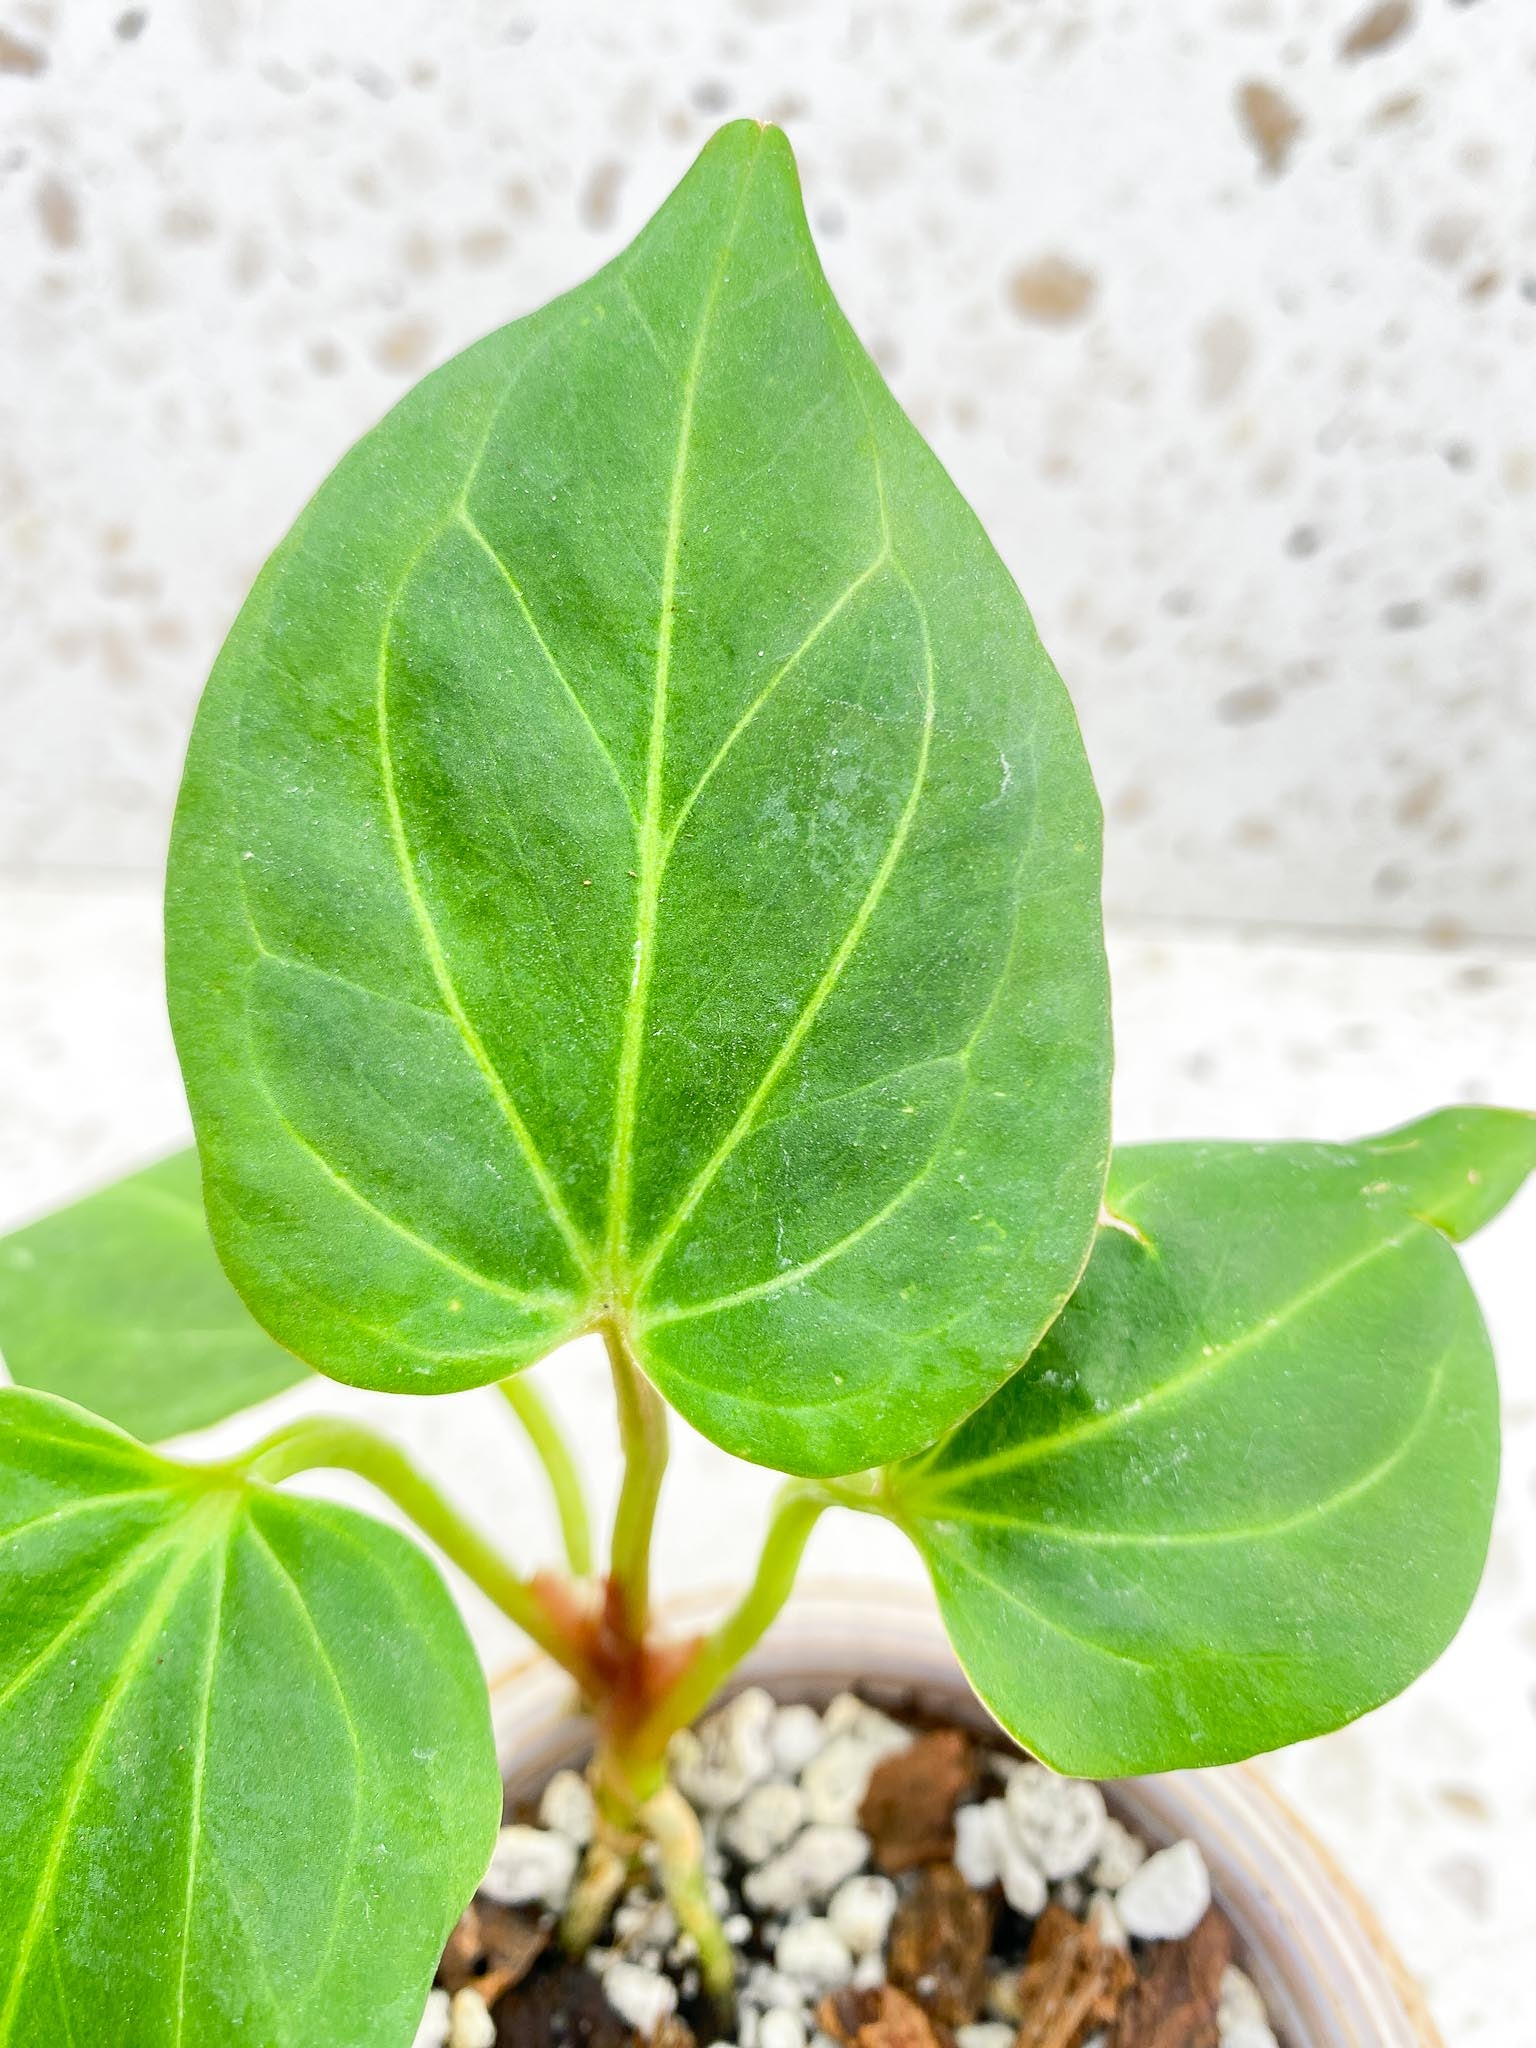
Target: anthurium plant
(637,875)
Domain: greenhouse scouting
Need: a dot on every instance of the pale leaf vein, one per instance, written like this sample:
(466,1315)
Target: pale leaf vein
(831,975)
(651,852)
(1184,1376)
(442,972)
(136,1660)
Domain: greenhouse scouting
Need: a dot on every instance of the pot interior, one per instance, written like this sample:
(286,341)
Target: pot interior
(1328,1975)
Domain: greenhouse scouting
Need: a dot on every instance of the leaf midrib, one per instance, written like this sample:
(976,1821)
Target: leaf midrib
(936,1481)
(1194,1539)
(199,1780)
(651,850)
(616,1280)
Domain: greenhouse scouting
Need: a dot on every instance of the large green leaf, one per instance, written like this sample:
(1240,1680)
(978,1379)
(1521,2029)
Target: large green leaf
(637,863)
(246,1771)
(1241,1493)
(119,1303)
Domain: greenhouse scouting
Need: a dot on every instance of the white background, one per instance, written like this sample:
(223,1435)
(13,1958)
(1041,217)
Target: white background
(1269,484)
(1271,490)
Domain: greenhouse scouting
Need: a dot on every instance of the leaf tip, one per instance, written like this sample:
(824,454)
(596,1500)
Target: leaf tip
(746,149)
(1458,1167)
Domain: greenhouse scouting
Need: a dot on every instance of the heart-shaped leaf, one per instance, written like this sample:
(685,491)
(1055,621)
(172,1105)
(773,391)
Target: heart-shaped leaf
(246,1771)
(118,1302)
(1241,1493)
(637,865)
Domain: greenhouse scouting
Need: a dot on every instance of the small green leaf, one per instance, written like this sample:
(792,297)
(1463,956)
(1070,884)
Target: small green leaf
(118,1302)
(637,863)
(1457,1167)
(246,1771)
(1241,1493)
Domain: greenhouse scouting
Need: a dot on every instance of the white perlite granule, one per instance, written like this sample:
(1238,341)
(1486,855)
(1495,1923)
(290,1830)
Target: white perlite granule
(781,2026)
(1246,2034)
(814,1956)
(779,1790)
(720,1761)
(1241,2018)
(1121,1855)
(1104,1922)
(567,1806)
(1167,1898)
(985,2034)
(979,1834)
(797,1735)
(766,1819)
(988,1852)
(861,1911)
(643,1997)
(849,1715)
(530,1867)
(1057,1822)
(469,2023)
(811,1868)
(433,2031)
(837,1777)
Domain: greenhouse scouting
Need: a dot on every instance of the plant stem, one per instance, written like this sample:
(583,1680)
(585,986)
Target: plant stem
(559,1469)
(673,1826)
(604,1873)
(349,1447)
(797,1510)
(643,1440)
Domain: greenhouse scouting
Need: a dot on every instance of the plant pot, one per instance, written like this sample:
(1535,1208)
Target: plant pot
(1327,1972)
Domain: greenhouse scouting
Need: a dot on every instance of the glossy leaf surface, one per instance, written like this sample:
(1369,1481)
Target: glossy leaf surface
(246,1771)
(637,861)
(119,1302)
(1242,1491)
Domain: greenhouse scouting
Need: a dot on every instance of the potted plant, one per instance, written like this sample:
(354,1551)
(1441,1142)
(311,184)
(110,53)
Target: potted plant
(636,872)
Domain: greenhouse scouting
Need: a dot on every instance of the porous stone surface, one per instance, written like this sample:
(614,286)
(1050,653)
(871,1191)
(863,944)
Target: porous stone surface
(781,2027)
(837,1777)
(798,1733)
(1103,1917)
(1221,315)
(979,1836)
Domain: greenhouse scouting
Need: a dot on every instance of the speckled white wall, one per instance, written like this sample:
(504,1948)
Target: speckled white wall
(1223,313)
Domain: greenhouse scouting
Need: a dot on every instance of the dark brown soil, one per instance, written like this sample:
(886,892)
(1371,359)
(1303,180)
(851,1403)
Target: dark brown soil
(947,1943)
(1173,2002)
(939,1943)
(909,1810)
